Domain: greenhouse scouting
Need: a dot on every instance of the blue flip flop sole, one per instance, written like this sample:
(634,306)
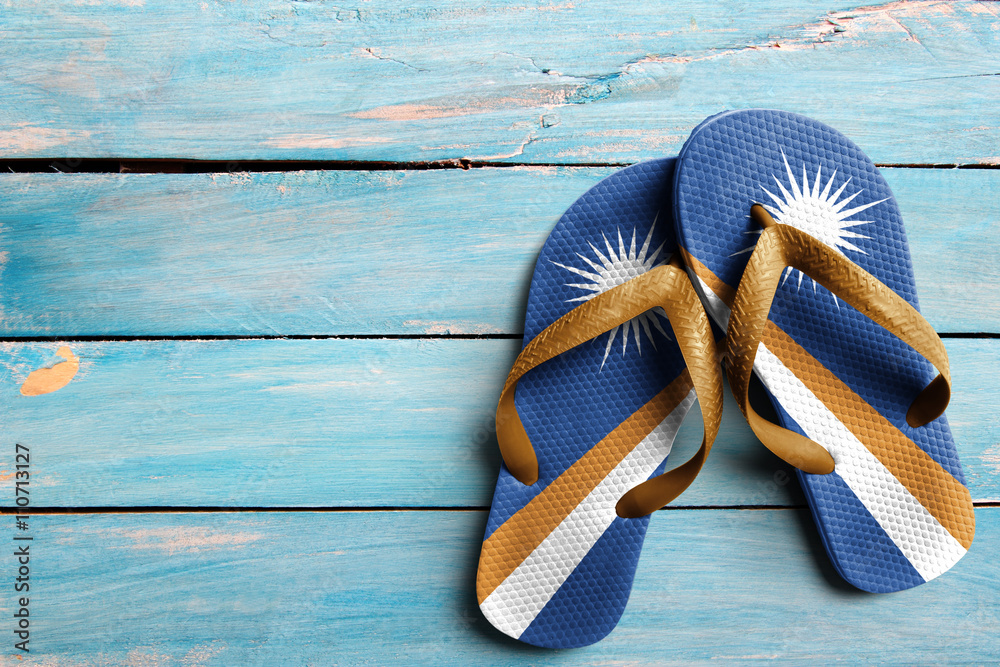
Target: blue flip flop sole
(558,563)
(831,373)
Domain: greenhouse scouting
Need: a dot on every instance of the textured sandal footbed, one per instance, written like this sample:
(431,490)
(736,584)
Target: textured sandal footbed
(570,403)
(724,167)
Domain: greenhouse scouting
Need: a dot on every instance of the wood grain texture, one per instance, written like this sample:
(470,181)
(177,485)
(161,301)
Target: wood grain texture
(397,588)
(539,81)
(407,423)
(410,252)
(348,423)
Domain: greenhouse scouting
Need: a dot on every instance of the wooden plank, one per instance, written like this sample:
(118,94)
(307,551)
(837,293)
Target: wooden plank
(397,588)
(575,82)
(346,423)
(411,252)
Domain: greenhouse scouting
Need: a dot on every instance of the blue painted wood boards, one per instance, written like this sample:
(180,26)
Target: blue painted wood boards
(348,423)
(348,253)
(578,82)
(739,586)
(414,281)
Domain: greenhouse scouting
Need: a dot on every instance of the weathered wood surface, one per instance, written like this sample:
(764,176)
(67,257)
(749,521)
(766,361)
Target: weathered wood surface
(375,424)
(397,588)
(415,252)
(347,423)
(571,82)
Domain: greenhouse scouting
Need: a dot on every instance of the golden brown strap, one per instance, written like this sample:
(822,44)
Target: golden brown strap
(697,343)
(666,286)
(781,246)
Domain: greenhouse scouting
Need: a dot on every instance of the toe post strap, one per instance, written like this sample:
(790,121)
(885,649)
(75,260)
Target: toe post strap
(781,246)
(697,343)
(666,286)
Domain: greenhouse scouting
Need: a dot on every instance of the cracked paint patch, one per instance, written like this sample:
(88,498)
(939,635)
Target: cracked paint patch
(507,99)
(186,539)
(25,138)
(369,52)
(322,141)
(53,376)
(655,76)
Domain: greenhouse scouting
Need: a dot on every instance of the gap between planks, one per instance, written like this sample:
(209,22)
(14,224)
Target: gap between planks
(360,509)
(177,166)
(381,336)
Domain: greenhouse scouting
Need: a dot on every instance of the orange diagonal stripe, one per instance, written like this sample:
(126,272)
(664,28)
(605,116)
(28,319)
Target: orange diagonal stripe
(512,542)
(944,496)
(721,289)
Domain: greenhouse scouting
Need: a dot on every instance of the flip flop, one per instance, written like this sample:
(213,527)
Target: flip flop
(773,203)
(616,349)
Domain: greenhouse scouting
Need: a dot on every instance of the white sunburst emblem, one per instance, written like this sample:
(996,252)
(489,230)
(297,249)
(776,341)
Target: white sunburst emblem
(617,268)
(821,214)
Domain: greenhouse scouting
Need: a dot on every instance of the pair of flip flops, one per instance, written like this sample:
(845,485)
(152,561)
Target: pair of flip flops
(779,231)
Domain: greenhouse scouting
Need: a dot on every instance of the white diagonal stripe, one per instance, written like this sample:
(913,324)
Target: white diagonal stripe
(928,545)
(714,306)
(515,603)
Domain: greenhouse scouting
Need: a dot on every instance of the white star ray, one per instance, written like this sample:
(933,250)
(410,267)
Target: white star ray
(617,267)
(818,212)
(585,274)
(591,264)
